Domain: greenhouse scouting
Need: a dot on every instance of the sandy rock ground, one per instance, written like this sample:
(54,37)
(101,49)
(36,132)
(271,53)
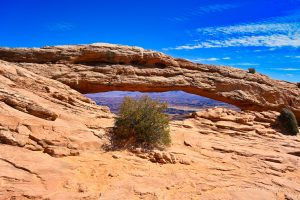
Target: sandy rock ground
(216,158)
(51,140)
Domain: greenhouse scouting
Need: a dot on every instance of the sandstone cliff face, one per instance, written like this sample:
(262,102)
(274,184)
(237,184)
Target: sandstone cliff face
(104,67)
(51,136)
(38,113)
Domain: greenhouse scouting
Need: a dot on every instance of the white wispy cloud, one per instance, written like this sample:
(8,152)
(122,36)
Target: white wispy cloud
(244,64)
(291,16)
(262,28)
(178,19)
(210,59)
(61,26)
(205,59)
(275,40)
(298,57)
(214,8)
(226,58)
(273,33)
(287,69)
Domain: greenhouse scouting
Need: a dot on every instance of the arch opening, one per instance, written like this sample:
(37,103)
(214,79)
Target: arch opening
(180,103)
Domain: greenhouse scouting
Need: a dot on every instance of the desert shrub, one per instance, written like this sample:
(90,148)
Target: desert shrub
(142,122)
(252,70)
(288,121)
(298,84)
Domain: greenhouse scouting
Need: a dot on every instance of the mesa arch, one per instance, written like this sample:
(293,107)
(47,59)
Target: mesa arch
(105,67)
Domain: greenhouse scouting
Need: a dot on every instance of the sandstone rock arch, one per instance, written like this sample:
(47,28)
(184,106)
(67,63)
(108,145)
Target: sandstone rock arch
(105,67)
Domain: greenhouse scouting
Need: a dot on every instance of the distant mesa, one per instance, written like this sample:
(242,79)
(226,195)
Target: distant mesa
(179,102)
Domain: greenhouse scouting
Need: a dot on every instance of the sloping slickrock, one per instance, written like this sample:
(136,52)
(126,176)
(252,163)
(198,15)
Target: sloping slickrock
(41,114)
(51,135)
(105,67)
(223,164)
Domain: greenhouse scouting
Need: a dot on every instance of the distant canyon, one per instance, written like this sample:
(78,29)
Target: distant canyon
(179,103)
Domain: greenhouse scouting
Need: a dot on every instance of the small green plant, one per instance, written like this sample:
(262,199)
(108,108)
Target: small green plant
(251,70)
(288,121)
(142,122)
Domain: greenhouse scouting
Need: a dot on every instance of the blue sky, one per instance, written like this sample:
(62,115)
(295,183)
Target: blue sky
(264,34)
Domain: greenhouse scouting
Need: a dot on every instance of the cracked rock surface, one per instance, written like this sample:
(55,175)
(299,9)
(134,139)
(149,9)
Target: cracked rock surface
(106,67)
(51,135)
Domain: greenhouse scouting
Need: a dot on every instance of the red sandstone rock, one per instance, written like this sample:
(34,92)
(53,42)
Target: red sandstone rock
(51,135)
(105,67)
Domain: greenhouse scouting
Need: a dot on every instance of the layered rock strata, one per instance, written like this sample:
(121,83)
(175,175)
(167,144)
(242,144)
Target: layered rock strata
(51,136)
(105,67)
